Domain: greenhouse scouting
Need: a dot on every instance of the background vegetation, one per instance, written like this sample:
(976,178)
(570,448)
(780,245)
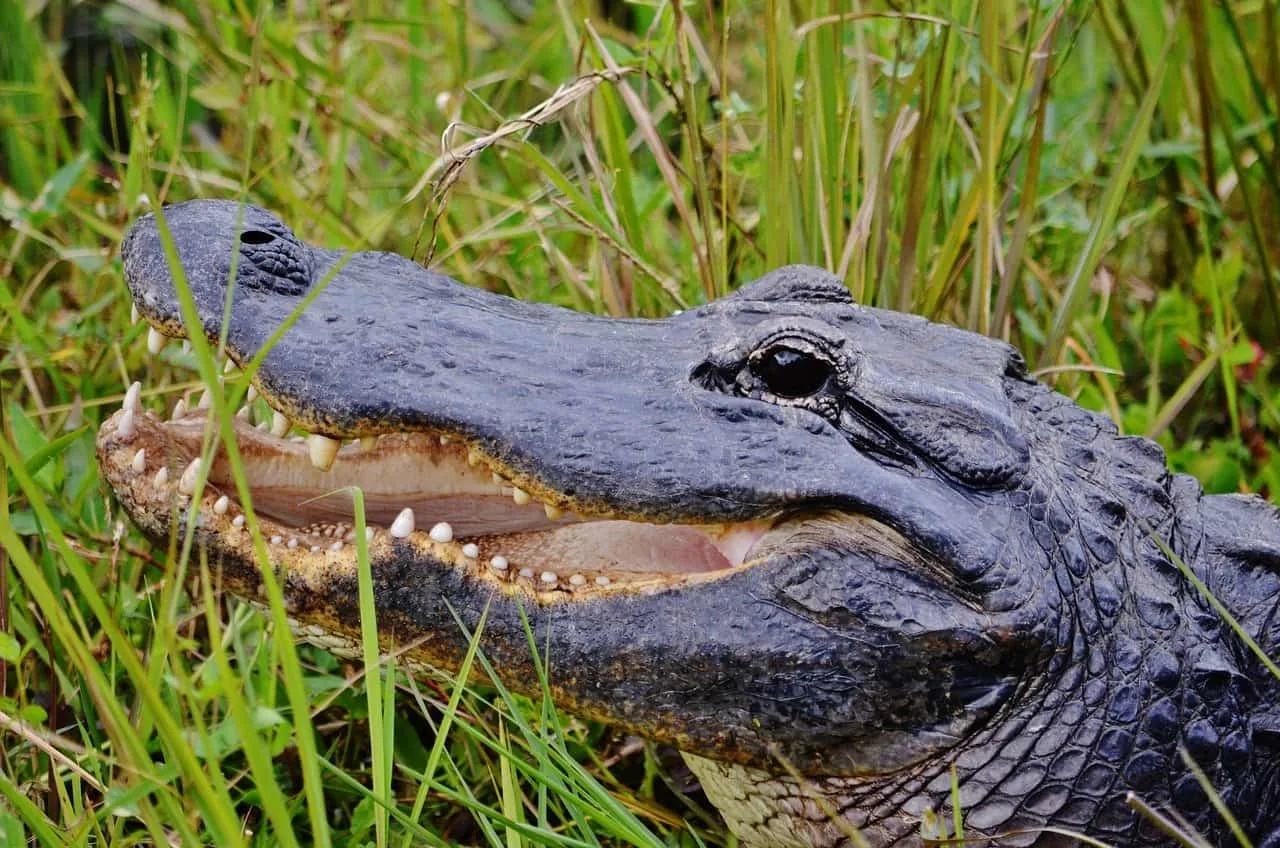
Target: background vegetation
(1098,182)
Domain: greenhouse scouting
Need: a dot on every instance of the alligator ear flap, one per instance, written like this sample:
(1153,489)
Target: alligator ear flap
(797,284)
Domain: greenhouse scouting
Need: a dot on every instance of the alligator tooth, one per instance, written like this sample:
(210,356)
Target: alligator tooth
(322,450)
(276,540)
(471,550)
(555,513)
(603,580)
(155,341)
(251,395)
(162,477)
(139,463)
(190,475)
(549,577)
(238,521)
(179,408)
(577,580)
(261,425)
(368,443)
(441,533)
(526,572)
(403,525)
(368,534)
(499,563)
(133,397)
(315,549)
(206,400)
(186,346)
(221,505)
(444,440)
(243,413)
(228,367)
(293,543)
(133,313)
(279,424)
(127,426)
(497,478)
(336,546)
(521,497)
(473,457)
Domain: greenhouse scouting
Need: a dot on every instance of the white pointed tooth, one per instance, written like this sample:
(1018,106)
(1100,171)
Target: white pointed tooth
(139,463)
(221,505)
(243,413)
(497,478)
(441,533)
(279,424)
(128,426)
(190,476)
(155,341)
(603,580)
(322,450)
(368,443)
(521,497)
(499,563)
(368,534)
(403,525)
(276,540)
(251,395)
(133,397)
(336,546)
(179,408)
(549,577)
(577,580)
(162,477)
(315,549)
(238,521)
(261,425)
(526,572)
(228,367)
(133,313)
(555,513)
(471,550)
(206,400)
(293,543)
(186,345)
(444,440)
(473,457)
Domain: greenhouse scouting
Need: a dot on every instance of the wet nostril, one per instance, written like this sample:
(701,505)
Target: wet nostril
(256,237)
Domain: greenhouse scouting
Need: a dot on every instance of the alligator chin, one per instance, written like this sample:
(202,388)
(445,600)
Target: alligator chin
(426,488)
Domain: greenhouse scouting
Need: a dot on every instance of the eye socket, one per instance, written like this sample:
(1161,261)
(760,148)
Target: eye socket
(256,237)
(791,373)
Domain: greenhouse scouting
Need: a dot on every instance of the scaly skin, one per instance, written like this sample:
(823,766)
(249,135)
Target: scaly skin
(966,568)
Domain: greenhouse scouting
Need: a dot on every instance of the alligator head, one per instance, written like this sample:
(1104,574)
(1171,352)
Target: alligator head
(827,551)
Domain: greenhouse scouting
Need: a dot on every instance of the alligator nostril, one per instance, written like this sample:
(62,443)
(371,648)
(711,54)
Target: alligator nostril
(256,237)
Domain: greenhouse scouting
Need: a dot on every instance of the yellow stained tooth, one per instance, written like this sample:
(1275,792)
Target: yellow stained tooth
(322,450)
(190,476)
(521,497)
(155,341)
(497,478)
(473,457)
(368,443)
(279,424)
(555,513)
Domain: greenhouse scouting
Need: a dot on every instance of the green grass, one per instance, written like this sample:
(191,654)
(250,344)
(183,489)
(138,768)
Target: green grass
(1082,179)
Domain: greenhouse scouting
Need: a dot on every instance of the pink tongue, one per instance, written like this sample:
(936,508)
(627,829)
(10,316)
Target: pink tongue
(624,546)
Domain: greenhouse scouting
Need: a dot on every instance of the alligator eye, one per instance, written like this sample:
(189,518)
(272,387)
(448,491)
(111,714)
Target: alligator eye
(791,373)
(256,237)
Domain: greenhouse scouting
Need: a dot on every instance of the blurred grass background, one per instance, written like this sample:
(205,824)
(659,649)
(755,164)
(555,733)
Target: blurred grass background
(1097,182)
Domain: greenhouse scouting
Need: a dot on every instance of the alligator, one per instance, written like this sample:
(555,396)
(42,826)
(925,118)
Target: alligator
(854,565)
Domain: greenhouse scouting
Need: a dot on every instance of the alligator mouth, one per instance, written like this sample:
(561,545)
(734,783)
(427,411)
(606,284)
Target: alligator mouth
(428,489)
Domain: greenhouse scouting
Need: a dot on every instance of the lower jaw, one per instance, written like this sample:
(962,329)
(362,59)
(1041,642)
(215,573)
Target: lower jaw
(551,555)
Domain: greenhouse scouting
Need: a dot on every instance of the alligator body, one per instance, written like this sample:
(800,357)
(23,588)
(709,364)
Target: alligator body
(827,551)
